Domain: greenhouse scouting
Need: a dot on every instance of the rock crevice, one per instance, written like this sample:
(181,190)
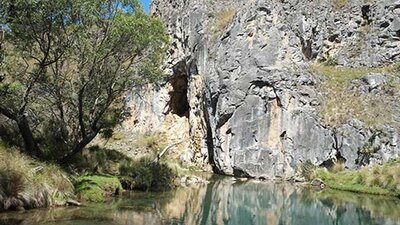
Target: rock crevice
(241,71)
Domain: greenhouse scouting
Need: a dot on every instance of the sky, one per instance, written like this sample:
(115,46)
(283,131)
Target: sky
(146,5)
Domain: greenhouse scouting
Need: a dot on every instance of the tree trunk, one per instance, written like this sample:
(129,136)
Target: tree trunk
(31,146)
(78,148)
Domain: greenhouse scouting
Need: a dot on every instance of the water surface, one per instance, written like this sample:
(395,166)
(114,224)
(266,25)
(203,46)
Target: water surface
(224,202)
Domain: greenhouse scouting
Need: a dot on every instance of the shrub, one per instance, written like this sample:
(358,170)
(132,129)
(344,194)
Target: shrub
(147,175)
(98,160)
(12,184)
(337,167)
(307,169)
(330,61)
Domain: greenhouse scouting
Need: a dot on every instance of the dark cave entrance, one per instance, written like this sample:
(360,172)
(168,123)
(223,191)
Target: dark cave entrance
(179,103)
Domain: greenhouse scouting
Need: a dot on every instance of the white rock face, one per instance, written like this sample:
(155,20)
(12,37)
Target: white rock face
(241,95)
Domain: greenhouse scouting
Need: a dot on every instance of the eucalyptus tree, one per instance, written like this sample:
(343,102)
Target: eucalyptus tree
(67,64)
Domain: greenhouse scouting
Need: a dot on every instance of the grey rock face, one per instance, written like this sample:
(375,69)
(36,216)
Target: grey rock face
(374,80)
(257,108)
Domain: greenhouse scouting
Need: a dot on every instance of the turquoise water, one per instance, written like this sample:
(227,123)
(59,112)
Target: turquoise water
(224,202)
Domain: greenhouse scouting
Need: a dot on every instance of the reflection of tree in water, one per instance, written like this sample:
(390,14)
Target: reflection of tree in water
(225,202)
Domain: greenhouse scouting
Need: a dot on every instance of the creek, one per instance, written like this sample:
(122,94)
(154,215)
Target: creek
(223,201)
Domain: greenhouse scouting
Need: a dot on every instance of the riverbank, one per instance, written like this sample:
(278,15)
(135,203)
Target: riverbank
(26,183)
(377,180)
(223,201)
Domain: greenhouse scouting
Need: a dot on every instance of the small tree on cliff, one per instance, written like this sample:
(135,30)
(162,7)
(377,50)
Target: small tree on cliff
(66,64)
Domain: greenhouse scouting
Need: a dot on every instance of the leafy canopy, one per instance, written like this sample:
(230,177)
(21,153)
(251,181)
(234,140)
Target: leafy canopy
(66,65)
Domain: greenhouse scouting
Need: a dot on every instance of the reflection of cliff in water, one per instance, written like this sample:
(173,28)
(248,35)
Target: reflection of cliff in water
(284,204)
(225,202)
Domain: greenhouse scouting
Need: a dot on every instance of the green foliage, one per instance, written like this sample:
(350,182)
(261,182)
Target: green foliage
(69,64)
(99,160)
(146,175)
(26,183)
(9,133)
(382,180)
(96,188)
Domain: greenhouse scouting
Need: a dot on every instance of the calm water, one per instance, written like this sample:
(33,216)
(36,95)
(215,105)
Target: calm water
(224,201)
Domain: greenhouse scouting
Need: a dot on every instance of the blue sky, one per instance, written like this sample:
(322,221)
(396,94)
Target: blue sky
(146,4)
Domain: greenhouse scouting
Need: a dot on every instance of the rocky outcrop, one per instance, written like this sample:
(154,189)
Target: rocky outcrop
(240,79)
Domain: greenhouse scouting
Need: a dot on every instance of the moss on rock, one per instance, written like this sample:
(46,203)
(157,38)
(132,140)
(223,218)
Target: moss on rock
(97,188)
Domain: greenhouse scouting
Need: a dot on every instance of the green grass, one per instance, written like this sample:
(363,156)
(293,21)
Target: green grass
(26,183)
(377,180)
(341,76)
(97,188)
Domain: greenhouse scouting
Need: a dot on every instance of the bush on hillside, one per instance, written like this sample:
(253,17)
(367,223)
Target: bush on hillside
(147,175)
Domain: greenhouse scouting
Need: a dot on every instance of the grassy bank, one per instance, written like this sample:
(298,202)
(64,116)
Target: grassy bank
(378,180)
(98,174)
(26,183)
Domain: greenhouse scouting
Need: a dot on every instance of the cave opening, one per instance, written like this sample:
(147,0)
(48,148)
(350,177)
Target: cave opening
(179,103)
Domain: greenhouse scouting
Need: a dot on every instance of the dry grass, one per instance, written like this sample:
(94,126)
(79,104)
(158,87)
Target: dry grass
(337,167)
(151,143)
(26,183)
(224,18)
(338,4)
(342,103)
(221,20)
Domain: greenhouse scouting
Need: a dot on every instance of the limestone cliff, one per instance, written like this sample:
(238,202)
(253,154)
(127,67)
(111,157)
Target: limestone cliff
(254,85)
